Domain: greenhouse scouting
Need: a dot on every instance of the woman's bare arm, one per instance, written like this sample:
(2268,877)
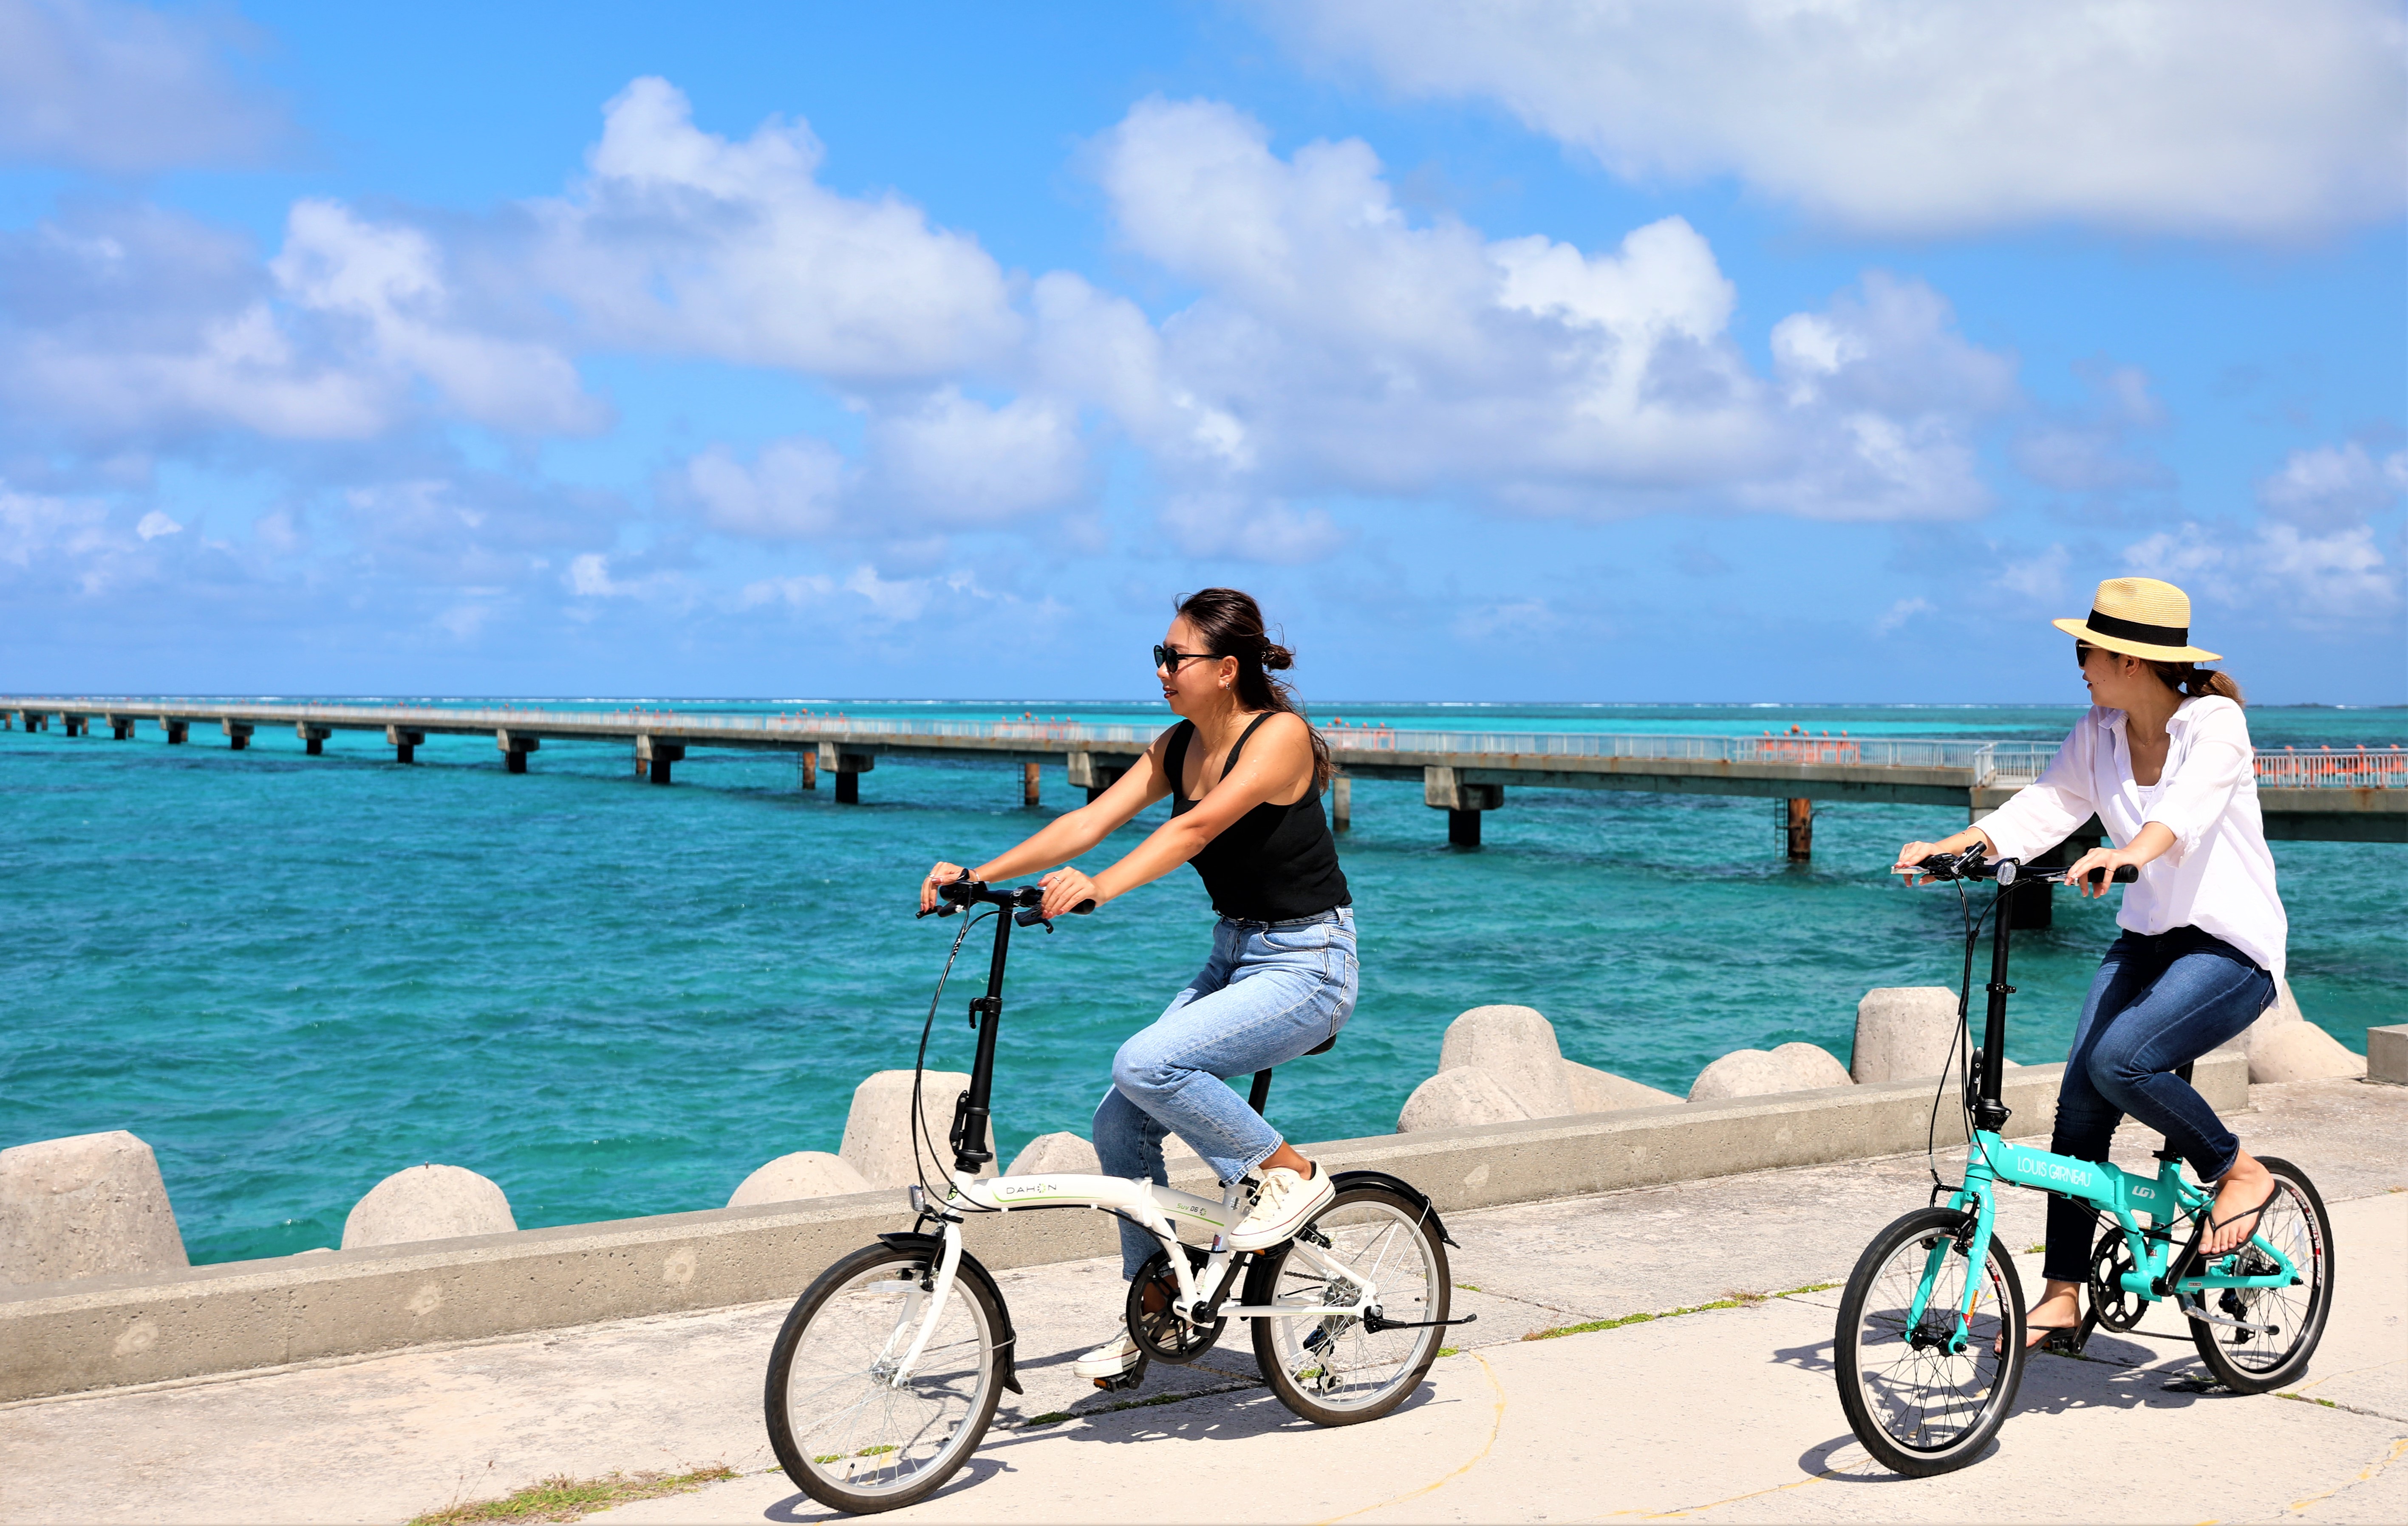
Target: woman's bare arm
(1278,763)
(1072,832)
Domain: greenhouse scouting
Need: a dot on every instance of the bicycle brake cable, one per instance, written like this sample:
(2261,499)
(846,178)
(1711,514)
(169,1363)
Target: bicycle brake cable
(920,1063)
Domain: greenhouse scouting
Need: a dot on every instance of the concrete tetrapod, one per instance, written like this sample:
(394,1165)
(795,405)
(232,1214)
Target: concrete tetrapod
(1756,1073)
(2283,1046)
(878,1128)
(1056,1154)
(1506,1067)
(427,1203)
(1903,1033)
(86,1206)
(804,1173)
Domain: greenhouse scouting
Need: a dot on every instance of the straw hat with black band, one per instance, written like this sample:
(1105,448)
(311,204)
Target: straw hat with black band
(2139,617)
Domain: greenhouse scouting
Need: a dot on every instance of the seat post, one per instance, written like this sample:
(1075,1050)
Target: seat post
(1262,1091)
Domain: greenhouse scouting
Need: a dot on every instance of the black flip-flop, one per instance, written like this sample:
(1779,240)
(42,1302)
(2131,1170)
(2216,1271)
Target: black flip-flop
(2214,1224)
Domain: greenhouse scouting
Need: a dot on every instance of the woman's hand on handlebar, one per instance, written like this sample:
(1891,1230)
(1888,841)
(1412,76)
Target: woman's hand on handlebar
(1065,888)
(1911,855)
(2092,872)
(937,877)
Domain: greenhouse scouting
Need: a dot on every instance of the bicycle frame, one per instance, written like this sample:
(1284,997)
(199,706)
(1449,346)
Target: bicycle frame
(1156,1209)
(2165,1200)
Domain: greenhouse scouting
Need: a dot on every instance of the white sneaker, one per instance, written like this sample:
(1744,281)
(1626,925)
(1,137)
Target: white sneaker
(1285,1204)
(1107,1361)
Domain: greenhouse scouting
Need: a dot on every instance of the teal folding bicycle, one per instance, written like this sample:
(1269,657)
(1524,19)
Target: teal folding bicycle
(1930,1344)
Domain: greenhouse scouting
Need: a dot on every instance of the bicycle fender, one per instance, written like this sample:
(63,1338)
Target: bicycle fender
(1402,1188)
(933,1246)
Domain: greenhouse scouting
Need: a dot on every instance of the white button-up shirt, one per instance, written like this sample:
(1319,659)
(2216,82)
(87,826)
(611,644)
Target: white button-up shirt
(2217,876)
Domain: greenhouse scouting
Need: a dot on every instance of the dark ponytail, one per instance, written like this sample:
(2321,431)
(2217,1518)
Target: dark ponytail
(1232,624)
(2192,681)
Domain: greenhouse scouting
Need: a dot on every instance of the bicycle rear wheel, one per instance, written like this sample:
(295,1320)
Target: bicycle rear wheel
(2289,1320)
(842,1431)
(1927,1399)
(1335,1370)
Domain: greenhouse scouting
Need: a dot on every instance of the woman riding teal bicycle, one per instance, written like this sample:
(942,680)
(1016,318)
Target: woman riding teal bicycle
(2164,760)
(1243,772)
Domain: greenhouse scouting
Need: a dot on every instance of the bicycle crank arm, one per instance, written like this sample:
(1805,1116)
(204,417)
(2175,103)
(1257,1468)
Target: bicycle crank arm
(1374,1323)
(2236,1325)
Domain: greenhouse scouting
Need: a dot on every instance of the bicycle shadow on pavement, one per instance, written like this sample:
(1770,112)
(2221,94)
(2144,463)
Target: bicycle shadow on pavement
(800,1507)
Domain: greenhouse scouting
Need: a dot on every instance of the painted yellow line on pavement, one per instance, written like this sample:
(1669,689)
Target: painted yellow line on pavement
(1495,1424)
(2389,1456)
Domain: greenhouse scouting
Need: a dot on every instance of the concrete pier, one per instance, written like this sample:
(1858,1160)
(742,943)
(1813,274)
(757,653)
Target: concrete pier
(514,747)
(121,727)
(654,757)
(237,734)
(1029,784)
(2348,795)
(848,767)
(313,739)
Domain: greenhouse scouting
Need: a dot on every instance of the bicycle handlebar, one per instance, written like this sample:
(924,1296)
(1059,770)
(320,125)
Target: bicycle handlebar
(957,894)
(1973,864)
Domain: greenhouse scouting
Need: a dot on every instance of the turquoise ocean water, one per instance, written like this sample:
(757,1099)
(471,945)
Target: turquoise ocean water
(293,976)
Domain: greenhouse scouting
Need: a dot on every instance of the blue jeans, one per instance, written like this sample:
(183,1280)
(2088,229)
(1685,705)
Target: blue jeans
(2159,1000)
(1270,991)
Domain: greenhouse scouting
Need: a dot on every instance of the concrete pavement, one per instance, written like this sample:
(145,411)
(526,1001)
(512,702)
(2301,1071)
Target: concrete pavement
(1729,1413)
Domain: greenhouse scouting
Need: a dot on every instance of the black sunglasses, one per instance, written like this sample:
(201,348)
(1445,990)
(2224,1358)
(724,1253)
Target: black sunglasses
(1169,658)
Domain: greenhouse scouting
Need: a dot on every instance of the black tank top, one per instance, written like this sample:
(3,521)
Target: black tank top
(1272,865)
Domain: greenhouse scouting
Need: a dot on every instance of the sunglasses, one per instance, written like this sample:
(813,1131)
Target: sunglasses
(1169,658)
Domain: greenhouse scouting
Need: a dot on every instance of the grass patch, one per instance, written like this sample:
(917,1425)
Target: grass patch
(2307,1398)
(563,1498)
(2035,1249)
(1737,1301)
(1449,1350)
(1468,1287)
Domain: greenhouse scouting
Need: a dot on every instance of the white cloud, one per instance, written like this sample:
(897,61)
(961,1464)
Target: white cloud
(2214,117)
(1232,526)
(1899,613)
(1338,346)
(953,461)
(123,89)
(685,242)
(389,280)
(2040,577)
(2310,580)
(2331,488)
(792,489)
(154,524)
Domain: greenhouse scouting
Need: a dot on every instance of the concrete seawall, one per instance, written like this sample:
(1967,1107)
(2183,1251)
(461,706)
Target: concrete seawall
(111,1332)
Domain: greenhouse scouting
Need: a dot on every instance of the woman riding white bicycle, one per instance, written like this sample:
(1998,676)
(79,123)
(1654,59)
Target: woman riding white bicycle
(2164,760)
(1244,773)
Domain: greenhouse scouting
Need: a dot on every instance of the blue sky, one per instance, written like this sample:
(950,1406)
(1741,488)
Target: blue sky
(1645,352)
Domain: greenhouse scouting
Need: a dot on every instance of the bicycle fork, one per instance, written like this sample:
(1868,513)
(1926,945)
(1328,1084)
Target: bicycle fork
(931,1297)
(1977,1199)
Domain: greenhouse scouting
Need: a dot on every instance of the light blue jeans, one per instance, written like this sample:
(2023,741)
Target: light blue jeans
(1270,991)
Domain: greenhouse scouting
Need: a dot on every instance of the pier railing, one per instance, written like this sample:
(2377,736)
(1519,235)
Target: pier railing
(1989,763)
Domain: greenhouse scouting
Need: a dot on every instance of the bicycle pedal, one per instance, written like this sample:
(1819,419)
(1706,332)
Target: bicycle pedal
(1123,1383)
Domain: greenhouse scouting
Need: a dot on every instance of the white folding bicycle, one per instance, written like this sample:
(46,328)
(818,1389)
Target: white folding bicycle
(888,1370)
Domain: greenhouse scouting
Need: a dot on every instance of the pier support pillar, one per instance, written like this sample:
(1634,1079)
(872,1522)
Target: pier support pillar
(1445,789)
(405,742)
(176,729)
(1797,824)
(313,739)
(1342,802)
(848,767)
(77,725)
(237,734)
(1029,784)
(1093,776)
(120,726)
(514,748)
(812,769)
(654,756)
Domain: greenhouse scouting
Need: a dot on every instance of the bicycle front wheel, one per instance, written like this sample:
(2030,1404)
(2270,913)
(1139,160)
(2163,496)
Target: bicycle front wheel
(845,1432)
(2272,1331)
(1926,1396)
(1336,1369)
